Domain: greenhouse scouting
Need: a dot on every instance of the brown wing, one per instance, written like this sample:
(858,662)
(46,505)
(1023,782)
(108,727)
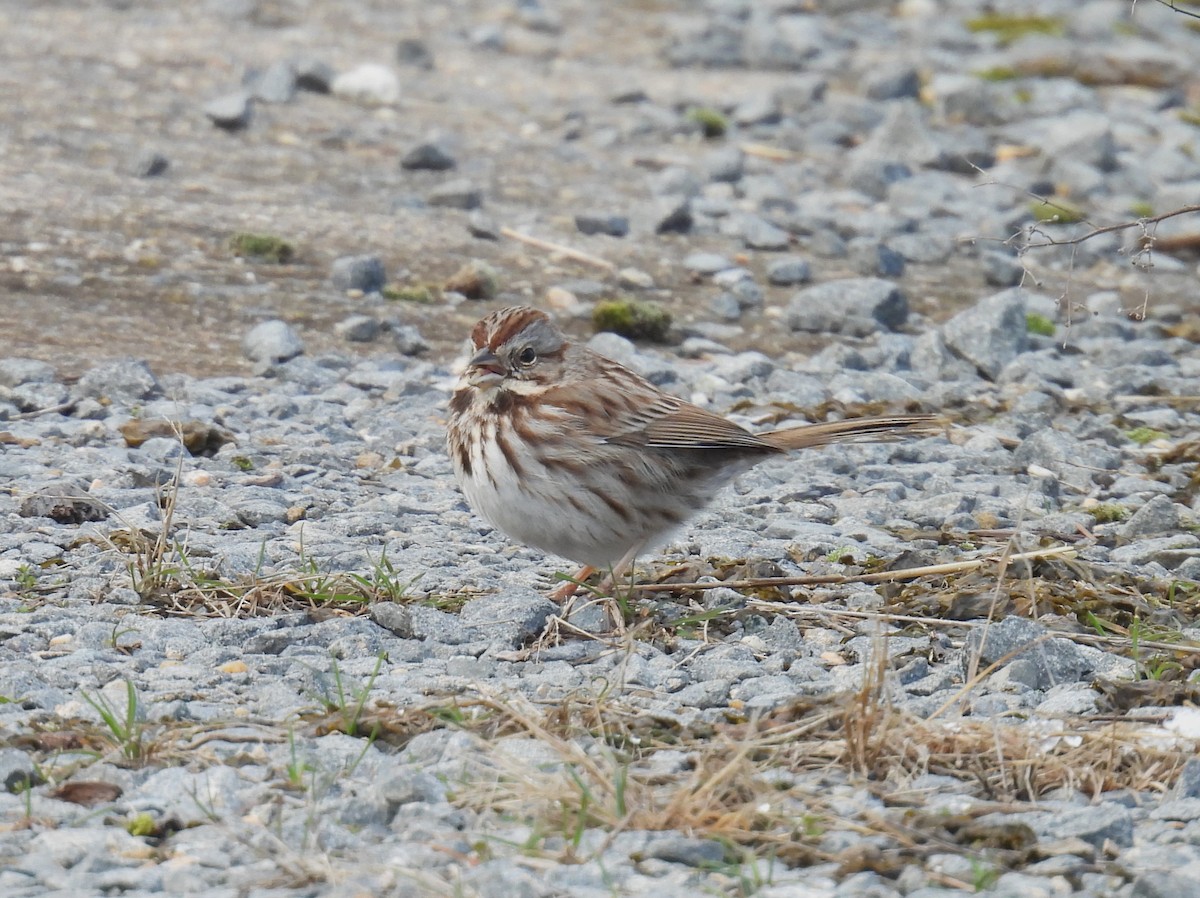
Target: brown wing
(689,427)
(618,406)
(669,423)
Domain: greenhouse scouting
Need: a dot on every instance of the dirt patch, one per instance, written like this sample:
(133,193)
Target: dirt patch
(97,262)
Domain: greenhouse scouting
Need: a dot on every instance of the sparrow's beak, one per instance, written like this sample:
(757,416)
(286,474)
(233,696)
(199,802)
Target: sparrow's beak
(484,369)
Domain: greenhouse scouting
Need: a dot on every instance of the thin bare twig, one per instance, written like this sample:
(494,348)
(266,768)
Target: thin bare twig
(913,573)
(763,151)
(823,612)
(1170,4)
(1157,400)
(558,248)
(49,410)
(1143,222)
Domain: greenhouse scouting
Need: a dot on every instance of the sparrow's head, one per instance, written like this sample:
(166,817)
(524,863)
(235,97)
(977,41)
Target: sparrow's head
(514,347)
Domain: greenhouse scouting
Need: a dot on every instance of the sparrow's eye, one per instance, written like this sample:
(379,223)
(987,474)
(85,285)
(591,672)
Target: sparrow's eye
(527,356)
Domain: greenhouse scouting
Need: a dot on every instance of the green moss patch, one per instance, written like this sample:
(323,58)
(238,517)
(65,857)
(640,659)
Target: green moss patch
(1008,28)
(632,318)
(262,246)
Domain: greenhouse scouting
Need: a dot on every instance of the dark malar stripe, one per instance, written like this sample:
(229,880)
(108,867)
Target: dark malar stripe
(462,453)
(460,402)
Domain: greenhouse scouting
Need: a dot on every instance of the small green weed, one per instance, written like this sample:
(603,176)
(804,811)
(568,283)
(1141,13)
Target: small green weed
(983,875)
(383,583)
(349,704)
(1144,435)
(713,123)
(26,579)
(1109,513)
(841,555)
(297,768)
(126,728)
(1101,627)
(998,73)
(141,825)
(1180,589)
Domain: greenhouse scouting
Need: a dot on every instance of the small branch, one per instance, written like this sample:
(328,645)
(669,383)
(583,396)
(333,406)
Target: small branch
(559,249)
(1170,4)
(1109,229)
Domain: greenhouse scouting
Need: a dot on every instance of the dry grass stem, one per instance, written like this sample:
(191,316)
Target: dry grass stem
(954,567)
(763,782)
(560,250)
(763,151)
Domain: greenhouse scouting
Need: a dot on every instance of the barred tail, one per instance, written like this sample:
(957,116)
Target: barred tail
(878,429)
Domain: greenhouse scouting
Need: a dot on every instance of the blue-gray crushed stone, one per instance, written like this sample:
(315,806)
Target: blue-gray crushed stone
(336,464)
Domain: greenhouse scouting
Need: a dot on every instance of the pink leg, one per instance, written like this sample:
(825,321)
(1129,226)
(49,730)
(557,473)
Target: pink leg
(569,587)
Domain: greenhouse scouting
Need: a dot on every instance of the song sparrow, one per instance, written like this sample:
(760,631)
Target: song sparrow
(576,455)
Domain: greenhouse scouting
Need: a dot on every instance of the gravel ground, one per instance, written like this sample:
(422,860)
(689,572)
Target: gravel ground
(284,659)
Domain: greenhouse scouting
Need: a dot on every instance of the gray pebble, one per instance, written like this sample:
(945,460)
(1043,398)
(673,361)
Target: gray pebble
(1001,269)
(1184,883)
(888,262)
(17,371)
(789,272)
(610,225)
(408,340)
(415,52)
(758,233)
(231,112)
(706,264)
(481,226)
(1157,516)
(512,618)
(150,164)
(313,75)
(1096,825)
(272,341)
(725,306)
(129,380)
(358,329)
(894,83)
(428,156)
(726,164)
(991,333)
(1056,660)
(858,307)
(394,618)
(673,217)
(17,770)
(365,273)
(368,84)
(277,84)
(457,194)
(692,852)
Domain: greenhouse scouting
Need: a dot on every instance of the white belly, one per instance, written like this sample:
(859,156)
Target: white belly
(534,509)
